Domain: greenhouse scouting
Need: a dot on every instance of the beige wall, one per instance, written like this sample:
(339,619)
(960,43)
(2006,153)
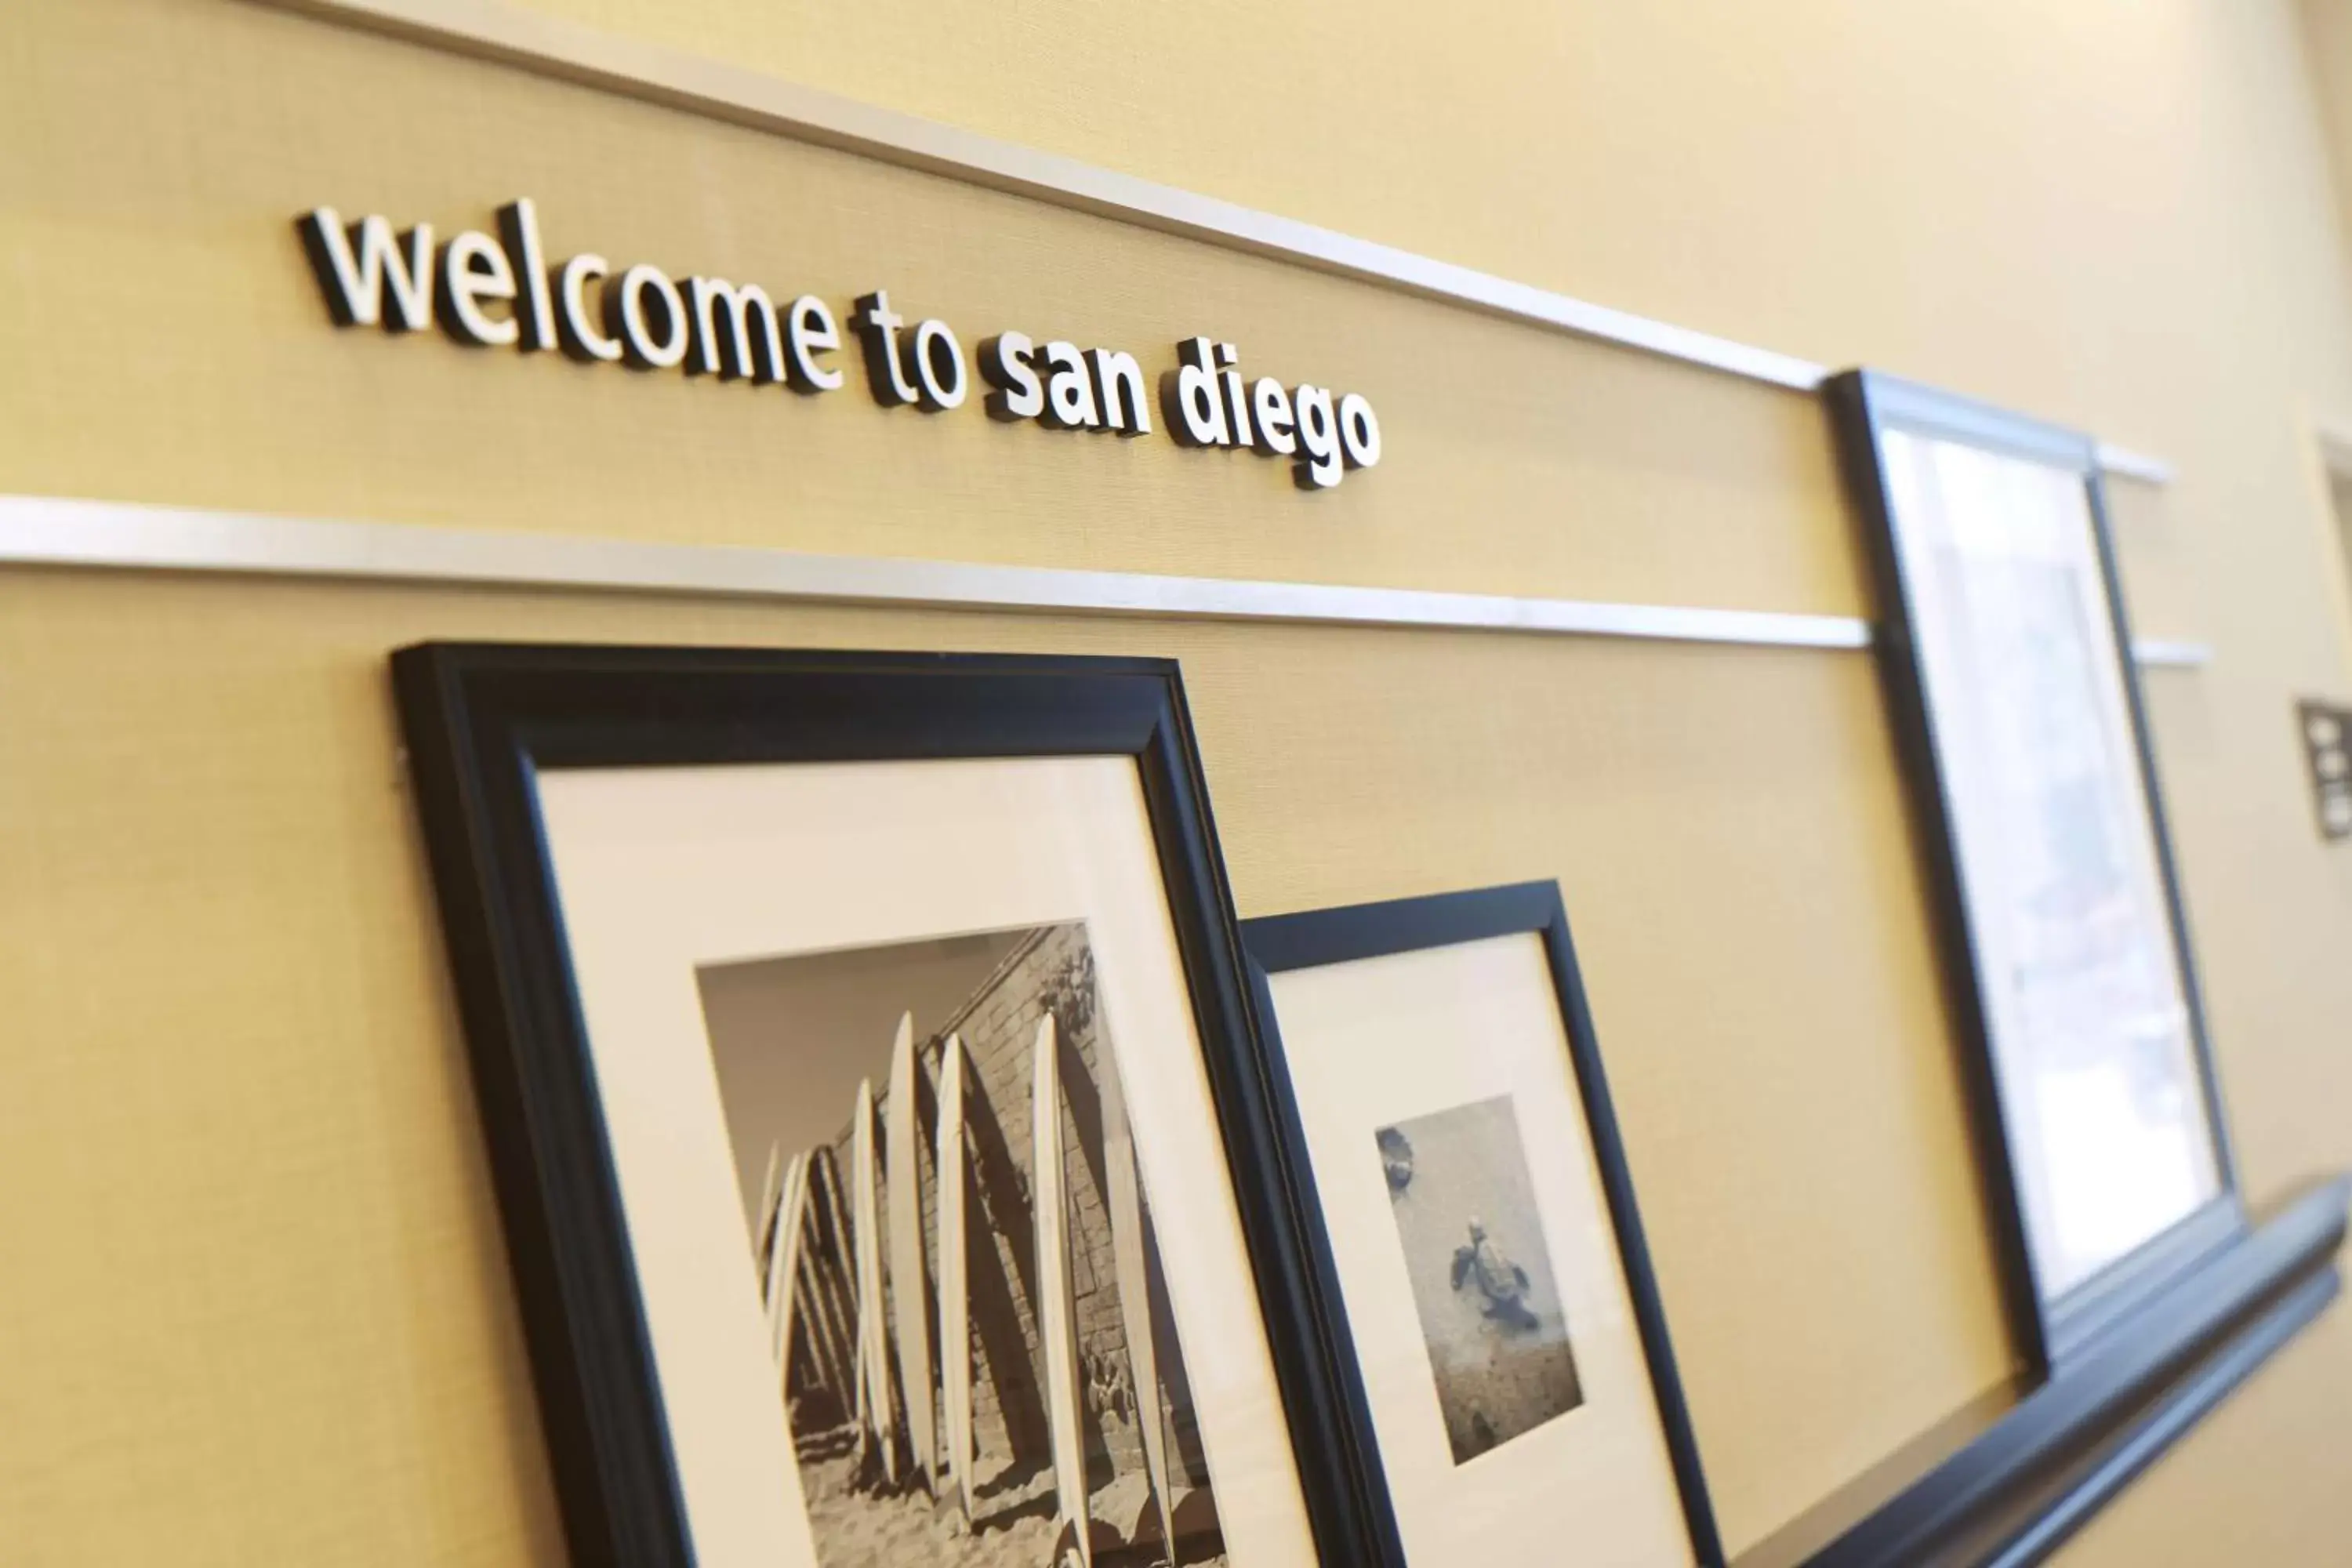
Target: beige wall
(256,1311)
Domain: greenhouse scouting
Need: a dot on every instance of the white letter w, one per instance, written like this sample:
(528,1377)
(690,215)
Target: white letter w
(354,286)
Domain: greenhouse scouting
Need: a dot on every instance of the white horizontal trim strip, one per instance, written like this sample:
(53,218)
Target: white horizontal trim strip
(2171,653)
(519,35)
(2125,463)
(57,532)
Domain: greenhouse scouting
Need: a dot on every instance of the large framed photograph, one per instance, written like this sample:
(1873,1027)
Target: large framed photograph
(2010,675)
(1481,1220)
(889,1166)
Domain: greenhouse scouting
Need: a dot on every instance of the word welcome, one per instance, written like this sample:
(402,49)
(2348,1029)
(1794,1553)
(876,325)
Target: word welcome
(500,291)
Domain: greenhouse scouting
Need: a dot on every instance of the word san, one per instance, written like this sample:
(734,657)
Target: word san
(500,291)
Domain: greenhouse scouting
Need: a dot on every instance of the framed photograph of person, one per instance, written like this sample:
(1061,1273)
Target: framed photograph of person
(2015,695)
(889,1168)
(1482,1225)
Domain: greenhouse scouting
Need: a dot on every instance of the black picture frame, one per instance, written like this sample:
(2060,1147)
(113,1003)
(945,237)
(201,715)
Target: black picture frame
(481,720)
(1317,938)
(2050,1329)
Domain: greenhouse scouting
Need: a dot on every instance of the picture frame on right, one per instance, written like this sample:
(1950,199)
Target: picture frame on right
(2017,704)
(1442,1069)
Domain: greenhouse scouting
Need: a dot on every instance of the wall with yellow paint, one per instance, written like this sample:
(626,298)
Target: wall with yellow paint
(256,1311)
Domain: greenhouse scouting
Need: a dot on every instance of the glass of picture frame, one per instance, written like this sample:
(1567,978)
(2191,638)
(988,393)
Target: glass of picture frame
(2010,675)
(864,1055)
(1516,1368)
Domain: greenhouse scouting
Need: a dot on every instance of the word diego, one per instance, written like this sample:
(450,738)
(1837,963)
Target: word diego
(500,291)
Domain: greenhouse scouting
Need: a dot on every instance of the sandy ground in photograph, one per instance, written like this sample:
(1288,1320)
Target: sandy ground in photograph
(860,1529)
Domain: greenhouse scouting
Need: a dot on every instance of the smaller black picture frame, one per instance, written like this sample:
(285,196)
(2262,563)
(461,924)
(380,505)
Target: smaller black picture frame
(481,719)
(1317,938)
(2051,1331)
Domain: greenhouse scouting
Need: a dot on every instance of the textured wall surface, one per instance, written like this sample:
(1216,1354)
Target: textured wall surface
(256,1310)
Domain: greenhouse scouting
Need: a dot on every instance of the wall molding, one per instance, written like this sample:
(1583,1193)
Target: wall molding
(67,531)
(514,34)
(2171,653)
(2011,1480)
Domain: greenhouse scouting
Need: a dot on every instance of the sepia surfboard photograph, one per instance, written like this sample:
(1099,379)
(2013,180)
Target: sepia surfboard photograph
(1490,1308)
(949,1233)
